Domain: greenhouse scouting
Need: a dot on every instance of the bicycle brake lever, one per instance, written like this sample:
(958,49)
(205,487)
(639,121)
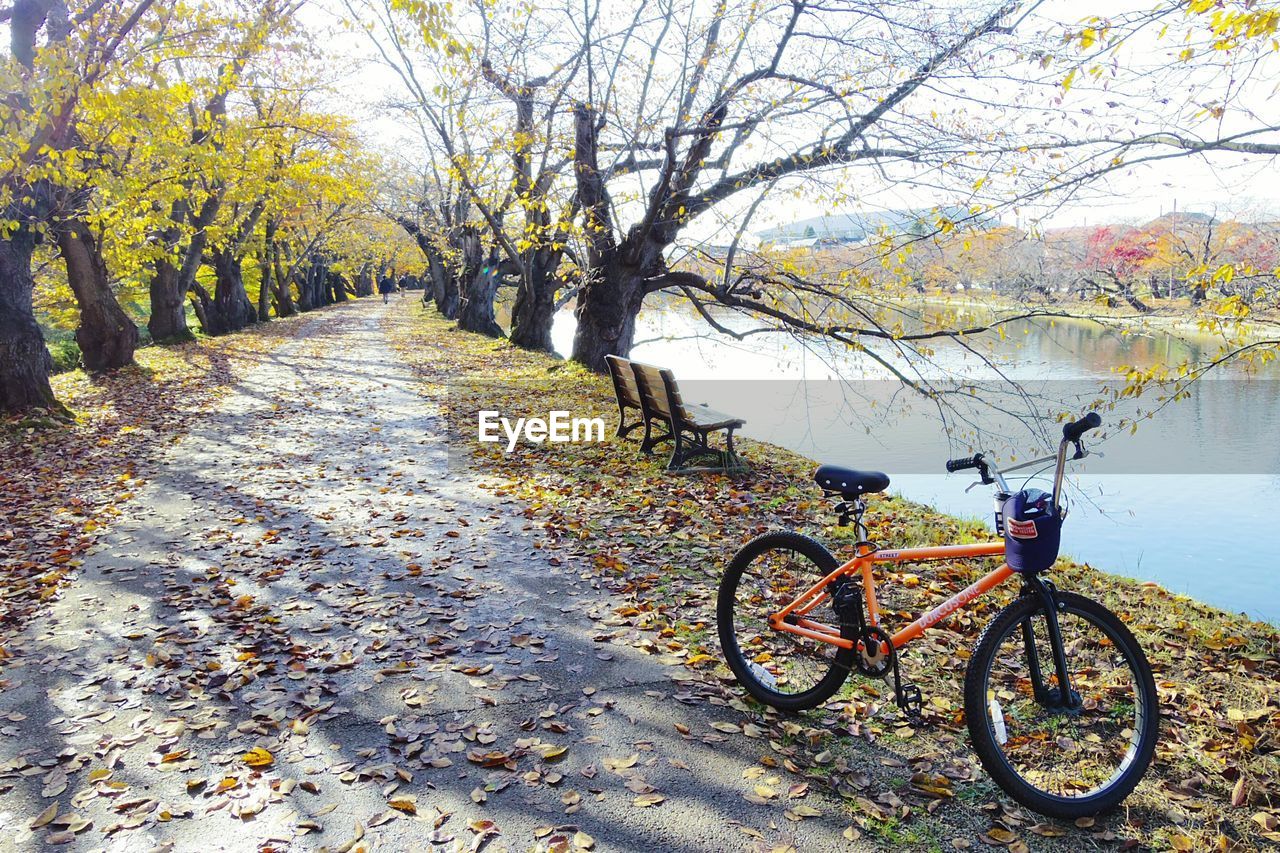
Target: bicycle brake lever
(971,485)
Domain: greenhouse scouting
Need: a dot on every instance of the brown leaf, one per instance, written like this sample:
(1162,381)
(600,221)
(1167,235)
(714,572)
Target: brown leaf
(44,817)
(406,804)
(1001,835)
(1240,793)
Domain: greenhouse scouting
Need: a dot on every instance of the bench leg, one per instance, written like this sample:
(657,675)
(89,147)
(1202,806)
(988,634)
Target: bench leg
(650,440)
(687,449)
(677,453)
(624,429)
(698,444)
(731,460)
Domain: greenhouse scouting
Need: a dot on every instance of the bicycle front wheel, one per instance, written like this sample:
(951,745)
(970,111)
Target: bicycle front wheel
(1062,759)
(781,669)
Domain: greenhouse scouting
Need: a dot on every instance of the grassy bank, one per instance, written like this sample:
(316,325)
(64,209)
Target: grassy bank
(661,542)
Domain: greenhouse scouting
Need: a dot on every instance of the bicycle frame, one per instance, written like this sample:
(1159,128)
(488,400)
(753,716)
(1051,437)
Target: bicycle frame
(794,618)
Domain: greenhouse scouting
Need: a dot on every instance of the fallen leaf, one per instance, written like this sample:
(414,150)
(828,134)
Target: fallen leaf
(44,817)
(258,757)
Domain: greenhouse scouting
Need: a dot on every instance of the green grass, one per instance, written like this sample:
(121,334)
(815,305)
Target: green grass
(62,348)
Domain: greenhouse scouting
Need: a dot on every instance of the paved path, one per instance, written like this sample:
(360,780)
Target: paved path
(303,574)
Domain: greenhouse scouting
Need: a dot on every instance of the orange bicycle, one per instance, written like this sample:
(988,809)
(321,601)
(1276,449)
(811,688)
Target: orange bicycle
(1059,698)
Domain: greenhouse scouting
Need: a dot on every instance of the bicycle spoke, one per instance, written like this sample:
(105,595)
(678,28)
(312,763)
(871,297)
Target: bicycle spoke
(1065,752)
(787,663)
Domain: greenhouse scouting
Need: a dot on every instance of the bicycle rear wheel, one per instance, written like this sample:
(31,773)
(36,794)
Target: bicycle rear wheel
(784,670)
(1063,762)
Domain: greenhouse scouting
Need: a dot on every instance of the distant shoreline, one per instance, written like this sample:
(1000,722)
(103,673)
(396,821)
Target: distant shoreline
(1173,319)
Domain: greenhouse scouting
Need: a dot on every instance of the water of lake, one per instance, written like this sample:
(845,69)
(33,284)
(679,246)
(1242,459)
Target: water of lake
(1187,501)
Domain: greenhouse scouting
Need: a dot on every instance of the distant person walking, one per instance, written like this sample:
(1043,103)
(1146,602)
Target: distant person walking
(386,287)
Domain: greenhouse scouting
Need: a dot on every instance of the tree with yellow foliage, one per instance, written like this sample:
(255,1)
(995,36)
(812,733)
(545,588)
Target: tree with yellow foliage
(59,52)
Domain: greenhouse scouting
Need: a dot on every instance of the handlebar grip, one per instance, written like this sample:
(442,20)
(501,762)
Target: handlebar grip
(1073,431)
(954,465)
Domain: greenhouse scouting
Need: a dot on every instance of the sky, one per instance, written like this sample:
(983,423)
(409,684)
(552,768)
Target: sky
(1228,185)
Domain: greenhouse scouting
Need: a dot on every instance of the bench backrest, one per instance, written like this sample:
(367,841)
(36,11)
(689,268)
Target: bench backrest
(658,386)
(624,381)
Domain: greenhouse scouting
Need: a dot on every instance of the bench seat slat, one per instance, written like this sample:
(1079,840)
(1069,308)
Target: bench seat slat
(708,418)
(624,381)
(651,378)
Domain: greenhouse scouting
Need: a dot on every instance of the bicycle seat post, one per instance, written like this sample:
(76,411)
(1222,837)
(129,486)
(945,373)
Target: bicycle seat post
(851,511)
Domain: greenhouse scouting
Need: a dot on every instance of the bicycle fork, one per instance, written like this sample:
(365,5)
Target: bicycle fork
(1061,697)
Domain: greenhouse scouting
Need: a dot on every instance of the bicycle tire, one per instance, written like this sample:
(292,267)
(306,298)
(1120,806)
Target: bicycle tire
(984,738)
(841,660)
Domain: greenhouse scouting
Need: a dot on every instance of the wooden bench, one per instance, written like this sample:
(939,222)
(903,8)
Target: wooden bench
(689,427)
(624,388)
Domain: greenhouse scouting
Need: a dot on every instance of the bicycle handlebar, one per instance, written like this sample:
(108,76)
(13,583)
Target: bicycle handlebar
(1073,431)
(954,465)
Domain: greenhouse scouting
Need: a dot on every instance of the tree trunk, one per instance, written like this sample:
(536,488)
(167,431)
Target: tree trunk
(231,293)
(168,320)
(444,288)
(323,295)
(480,287)
(207,314)
(283,286)
(1135,302)
(364,280)
(338,284)
(106,335)
(264,290)
(305,279)
(477,314)
(25,363)
(614,282)
(607,309)
(230,309)
(264,274)
(310,291)
(534,311)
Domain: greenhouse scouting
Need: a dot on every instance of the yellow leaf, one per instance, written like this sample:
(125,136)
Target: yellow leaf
(258,757)
(551,752)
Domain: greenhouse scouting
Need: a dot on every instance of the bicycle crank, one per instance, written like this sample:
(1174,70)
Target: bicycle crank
(875,653)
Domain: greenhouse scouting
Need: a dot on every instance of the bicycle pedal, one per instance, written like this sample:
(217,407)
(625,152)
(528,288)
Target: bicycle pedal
(911,701)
